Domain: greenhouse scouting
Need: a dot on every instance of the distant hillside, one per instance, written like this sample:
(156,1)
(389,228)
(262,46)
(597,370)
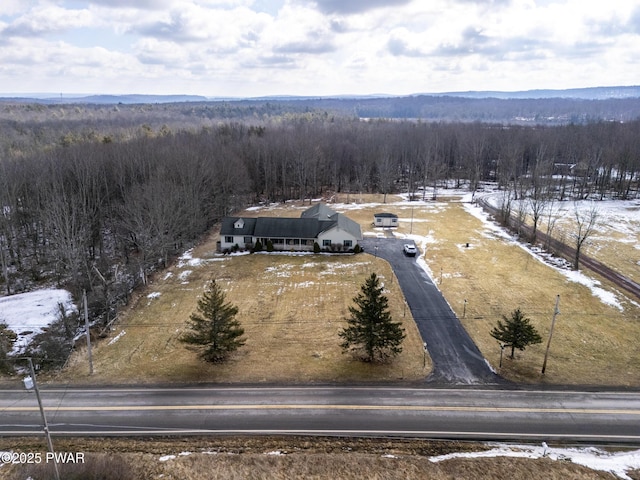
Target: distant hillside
(592,93)
(108,99)
(533,107)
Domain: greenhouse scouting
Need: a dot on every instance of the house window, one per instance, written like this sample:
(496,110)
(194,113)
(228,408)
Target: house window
(378,220)
(277,241)
(303,241)
(347,243)
(394,220)
(326,243)
(228,239)
(296,241)
(248,239)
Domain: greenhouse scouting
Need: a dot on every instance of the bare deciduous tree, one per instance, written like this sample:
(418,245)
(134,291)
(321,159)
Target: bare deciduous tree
(585,227)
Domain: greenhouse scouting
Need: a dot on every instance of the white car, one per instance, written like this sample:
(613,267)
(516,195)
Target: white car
(409,250)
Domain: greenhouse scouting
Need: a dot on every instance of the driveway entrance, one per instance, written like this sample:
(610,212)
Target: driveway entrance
(456,359)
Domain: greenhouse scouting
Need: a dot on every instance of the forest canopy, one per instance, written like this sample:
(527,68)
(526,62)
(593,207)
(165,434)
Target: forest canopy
(97,197)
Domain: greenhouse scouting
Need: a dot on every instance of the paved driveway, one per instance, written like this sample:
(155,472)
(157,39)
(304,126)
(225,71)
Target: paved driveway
(456,359)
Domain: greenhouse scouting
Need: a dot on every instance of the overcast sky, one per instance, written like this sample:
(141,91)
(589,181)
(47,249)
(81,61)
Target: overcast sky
(315,47)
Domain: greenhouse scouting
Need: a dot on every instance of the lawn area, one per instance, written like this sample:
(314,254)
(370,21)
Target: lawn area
(616,237)
(292,308)
(594,342)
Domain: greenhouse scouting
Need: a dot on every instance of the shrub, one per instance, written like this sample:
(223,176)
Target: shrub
(316,247)
(258,246)
(269,246)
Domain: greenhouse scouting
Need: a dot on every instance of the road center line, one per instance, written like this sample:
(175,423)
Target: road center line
(417,408)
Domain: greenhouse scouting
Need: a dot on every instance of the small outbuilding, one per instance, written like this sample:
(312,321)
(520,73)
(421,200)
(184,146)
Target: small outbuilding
(385,220)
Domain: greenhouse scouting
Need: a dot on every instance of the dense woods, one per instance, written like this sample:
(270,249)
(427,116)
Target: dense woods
(96,198)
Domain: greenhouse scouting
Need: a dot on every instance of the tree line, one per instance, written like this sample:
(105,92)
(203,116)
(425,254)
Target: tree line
(101,212)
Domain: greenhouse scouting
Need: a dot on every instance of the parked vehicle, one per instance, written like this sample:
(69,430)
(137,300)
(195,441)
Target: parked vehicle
(409,250)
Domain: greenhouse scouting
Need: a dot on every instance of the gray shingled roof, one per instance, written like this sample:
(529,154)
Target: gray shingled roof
(274,227)
(348,225)
(319,211)
(385,215)
(227,226)
(313,221)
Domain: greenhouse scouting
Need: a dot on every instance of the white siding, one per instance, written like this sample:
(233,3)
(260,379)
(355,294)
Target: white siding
(237,239)
(386,221)
(337,236)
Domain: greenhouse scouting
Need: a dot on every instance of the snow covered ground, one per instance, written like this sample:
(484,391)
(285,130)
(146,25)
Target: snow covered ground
(28,313)
(605,296)
(618,463)
(622,216)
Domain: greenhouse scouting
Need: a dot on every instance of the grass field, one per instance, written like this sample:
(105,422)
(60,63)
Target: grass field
(293,307)
(292,458)
(616,237)
(593,342)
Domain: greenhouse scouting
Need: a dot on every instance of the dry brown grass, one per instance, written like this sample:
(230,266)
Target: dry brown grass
(292,314)
(613,244)
(593,343)
(291,307)
(297,458)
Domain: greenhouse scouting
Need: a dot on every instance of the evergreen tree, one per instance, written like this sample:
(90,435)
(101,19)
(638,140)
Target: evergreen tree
(215,332)
(516,332)
(370,329)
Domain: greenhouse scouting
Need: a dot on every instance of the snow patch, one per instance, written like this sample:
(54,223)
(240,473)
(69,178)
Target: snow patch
(153,295)
(560,265)
(27,314)
(165,458)
(117,337)
(617,463)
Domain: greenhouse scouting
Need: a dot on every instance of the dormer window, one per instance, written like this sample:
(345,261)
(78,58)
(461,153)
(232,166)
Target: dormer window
(239,223)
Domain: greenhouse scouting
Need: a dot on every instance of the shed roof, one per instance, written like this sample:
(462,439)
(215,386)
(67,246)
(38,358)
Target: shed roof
(385,215)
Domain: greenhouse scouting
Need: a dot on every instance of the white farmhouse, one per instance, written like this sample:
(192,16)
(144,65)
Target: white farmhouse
(319,224)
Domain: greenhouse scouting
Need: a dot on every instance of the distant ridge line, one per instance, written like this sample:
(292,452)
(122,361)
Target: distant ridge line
(588,93)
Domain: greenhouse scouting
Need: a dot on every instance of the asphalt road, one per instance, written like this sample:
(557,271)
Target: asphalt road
(333,411)
(456,359)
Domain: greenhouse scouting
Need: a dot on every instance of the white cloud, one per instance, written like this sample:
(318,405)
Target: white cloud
(47,20)
(258,47)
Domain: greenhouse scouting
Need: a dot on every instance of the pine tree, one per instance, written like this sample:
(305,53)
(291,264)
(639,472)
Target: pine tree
(214,331)
(516,332)
(370,329)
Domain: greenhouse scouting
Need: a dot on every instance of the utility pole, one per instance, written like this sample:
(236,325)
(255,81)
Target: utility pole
(86,327)
(44,418)
(411,228)
(556,311)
